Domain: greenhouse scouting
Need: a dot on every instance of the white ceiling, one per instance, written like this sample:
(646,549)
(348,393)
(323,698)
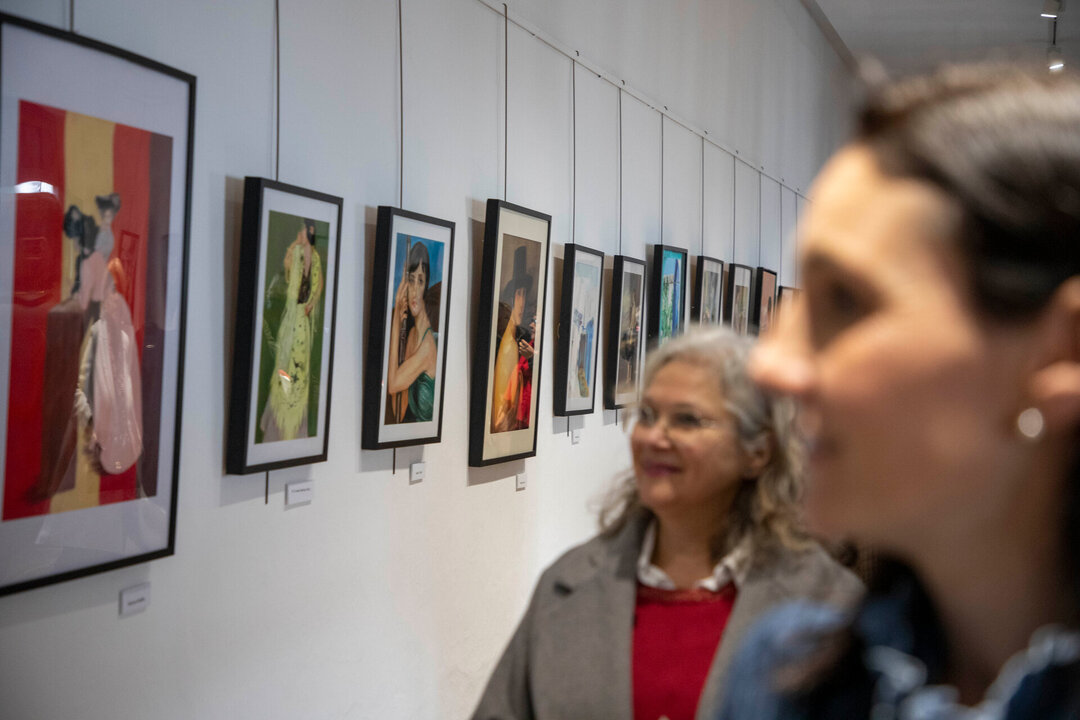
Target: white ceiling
(915,35)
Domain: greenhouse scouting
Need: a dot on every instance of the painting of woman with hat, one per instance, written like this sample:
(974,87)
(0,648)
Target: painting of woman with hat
(511,397)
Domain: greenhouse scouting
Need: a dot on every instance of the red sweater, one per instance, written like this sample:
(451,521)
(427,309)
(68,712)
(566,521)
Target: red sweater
(676,633)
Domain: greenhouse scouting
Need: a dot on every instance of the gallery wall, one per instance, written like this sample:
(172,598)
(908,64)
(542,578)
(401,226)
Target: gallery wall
(381,598)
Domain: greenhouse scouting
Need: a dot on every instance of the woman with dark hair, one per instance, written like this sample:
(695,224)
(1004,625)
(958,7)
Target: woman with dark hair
(285,416)
(935,354)
(700,539)
(410,374)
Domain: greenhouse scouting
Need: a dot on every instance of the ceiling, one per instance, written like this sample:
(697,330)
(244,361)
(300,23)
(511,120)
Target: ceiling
(910,36)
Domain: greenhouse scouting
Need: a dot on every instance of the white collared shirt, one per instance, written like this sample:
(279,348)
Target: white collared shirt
(732,568)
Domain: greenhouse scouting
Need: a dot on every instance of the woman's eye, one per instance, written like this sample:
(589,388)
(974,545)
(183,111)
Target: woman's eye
(686,421)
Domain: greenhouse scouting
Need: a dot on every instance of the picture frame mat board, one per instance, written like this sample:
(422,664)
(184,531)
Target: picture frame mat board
(578,259)
(395,226)
(738,289)
(146,115)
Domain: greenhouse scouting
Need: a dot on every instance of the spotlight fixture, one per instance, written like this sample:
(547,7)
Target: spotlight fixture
(1054,59)
(1051,9)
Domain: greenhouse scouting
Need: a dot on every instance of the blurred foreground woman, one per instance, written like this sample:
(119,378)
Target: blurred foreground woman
(936,358)
(700,540)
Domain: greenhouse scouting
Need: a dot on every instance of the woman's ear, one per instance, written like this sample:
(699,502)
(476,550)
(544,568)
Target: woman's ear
(1054,388)
(756,455)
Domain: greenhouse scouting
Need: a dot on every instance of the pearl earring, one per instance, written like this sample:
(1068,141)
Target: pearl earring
(1030,424)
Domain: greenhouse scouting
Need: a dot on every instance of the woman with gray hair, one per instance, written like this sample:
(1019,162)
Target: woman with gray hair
(697,542)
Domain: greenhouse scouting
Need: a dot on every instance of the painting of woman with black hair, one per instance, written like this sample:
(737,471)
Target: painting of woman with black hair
(288,393)
(413,351)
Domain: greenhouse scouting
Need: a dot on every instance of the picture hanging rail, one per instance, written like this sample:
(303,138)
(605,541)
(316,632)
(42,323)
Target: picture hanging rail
(92,320)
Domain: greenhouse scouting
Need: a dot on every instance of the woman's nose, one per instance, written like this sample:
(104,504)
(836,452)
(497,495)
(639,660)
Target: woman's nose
(780,362)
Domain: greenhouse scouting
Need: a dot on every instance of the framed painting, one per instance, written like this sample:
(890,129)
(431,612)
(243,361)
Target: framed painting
(706,304)
(786,295)
(667,293)
(405,368)
(579,326)
(763,302)
(737,297)
(622,366)
(95,158)
(506,361)
(283,357)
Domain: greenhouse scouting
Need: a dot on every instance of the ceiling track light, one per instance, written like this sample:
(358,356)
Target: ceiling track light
(1051,9)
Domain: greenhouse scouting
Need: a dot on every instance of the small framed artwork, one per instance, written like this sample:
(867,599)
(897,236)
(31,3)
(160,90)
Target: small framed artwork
(737,297)
(707,303)
(95,155)
(763,302)
(786,296)
(622,366)
(667,293)
(506,361)
(579,328)
(283,358)
(405,369)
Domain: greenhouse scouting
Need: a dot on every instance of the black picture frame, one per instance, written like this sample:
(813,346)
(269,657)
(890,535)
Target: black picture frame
(579,323)
(516,247)
(271,423)
(625,338)
(763,303)
(738,289)
(401,418)
(109,261)
(707,302)
(785,295)
(667,316)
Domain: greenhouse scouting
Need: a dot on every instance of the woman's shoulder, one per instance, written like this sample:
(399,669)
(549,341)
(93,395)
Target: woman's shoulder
(810,573)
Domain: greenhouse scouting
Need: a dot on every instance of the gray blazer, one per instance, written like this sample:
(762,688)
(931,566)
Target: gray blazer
(570,656)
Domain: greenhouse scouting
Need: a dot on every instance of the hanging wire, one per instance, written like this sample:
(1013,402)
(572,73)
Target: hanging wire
(71,15)
(702,196)
(620,168)
(573,150)
(401,108)
(506,95)
(734,205)
(661,178)
(277,90)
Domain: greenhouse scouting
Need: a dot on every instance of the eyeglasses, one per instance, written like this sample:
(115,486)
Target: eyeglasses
(678,425)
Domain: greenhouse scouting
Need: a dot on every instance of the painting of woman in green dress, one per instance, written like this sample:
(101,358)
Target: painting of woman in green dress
(414,340)
(296,348)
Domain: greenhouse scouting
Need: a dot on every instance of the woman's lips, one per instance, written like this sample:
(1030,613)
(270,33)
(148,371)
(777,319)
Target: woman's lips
(659,469)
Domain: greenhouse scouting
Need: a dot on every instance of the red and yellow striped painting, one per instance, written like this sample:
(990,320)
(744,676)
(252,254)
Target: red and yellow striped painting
(91,222)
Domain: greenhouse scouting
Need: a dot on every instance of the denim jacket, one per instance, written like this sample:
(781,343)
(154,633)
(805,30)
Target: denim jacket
(893,673)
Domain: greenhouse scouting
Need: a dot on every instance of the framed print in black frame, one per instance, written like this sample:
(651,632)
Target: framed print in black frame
(577,346)
(706,305)
(786,295)
(763,303)
(405,369)
(737,298)
(667,293)
(622,354)
(283,357)
(506,375)
(96,148)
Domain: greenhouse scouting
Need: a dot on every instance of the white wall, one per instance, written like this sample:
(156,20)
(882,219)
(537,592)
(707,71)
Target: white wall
(382,599)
